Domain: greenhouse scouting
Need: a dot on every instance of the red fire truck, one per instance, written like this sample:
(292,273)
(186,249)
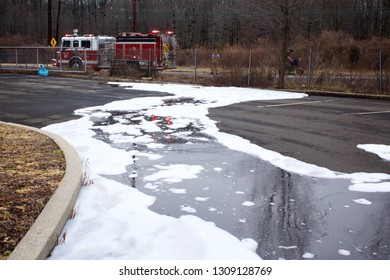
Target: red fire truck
(154,50)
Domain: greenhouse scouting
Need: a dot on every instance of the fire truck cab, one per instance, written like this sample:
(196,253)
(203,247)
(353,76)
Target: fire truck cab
(87,50)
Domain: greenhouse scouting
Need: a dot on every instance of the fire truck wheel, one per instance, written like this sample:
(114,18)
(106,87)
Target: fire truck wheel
(75,63)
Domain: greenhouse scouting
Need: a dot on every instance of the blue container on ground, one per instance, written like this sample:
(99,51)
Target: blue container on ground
(43,72)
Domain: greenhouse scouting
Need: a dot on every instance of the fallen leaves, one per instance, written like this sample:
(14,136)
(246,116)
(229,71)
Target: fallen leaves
(31,167)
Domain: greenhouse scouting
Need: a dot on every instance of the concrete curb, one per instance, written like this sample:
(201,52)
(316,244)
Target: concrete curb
(42,237)
(347,95)
(338,94)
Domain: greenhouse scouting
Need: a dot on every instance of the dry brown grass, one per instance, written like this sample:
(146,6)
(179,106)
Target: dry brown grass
(338,63)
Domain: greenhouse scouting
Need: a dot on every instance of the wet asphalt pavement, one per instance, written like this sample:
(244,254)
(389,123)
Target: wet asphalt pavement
(292,216)
(41,101)
(324,131)
(289,215)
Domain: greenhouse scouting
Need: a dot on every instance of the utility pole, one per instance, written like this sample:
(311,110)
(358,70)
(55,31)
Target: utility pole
(134,27)
(58,19)
(49,21)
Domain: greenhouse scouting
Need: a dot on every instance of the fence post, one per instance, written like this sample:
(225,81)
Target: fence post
(250,66)
(47,57)
(86,60)
(309,70)
(37,58)
(60,59)
(196,54)
(25,56)
(380,72)
(150,64)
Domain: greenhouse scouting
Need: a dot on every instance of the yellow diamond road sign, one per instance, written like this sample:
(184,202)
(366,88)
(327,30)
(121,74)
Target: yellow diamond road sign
(53,42)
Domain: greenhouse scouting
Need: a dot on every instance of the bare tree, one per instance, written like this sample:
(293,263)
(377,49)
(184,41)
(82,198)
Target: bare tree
(280,18)
(201,22)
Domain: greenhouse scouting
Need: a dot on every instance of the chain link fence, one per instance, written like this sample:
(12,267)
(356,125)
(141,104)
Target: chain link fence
(33,58)
(367,72)
(361,72)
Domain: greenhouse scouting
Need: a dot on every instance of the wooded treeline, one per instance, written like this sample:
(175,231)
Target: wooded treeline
(212,23)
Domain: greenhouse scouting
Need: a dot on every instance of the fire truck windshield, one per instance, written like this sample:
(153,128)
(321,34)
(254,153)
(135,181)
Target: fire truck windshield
(76,44)
(66,44)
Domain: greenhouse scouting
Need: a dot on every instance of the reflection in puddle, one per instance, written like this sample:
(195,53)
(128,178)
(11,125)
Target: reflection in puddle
(290,216)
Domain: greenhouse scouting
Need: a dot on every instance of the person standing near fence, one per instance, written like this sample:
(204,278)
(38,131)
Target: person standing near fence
(215,57)
(293,64)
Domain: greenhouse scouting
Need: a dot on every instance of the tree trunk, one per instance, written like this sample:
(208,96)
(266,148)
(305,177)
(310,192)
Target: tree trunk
(285,42)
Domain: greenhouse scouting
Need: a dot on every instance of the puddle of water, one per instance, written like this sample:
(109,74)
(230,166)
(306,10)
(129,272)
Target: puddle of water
(290,216)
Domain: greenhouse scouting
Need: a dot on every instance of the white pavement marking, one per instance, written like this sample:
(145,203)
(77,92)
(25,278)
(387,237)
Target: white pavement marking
(295,103)
(366,113)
